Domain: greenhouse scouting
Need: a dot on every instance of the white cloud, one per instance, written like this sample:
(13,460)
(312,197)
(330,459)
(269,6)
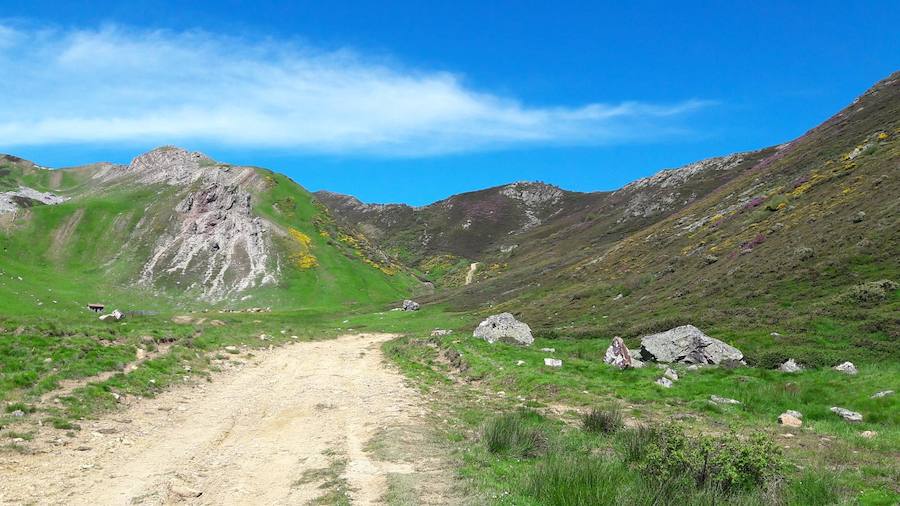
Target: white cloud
(122,85)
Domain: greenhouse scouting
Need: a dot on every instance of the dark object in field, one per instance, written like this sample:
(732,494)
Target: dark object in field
(97,308)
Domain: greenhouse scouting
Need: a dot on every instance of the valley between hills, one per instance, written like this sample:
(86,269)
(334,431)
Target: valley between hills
(724,331)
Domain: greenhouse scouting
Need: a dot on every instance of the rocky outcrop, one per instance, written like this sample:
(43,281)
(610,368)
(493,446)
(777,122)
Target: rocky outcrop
(689,345)
(504,327)
(25,197)
(410,305)
(214,245)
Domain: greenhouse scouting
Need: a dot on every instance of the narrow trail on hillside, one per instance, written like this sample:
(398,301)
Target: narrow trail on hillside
(305,420)
(470,275)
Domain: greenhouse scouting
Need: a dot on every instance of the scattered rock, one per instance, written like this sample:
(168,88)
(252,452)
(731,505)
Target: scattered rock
(18,413)
(790,366)
(217,323)
(710,259)
(548,350)
(504,327)
(795,414)
(664,382)
(410,305)
(108,430)
(231,349)
(114,316)
(671,374)
(846,368)
(722,400)
(868,434)
(83,449)
(789,420)
(883,393)
(552,362)
(520,362)
(182,320)
(440,332)
(846,414)
(689,345)
(618,355)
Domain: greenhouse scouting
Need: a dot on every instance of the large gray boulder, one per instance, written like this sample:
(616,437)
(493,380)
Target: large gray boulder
(689,345)
(410,305)
(504,327)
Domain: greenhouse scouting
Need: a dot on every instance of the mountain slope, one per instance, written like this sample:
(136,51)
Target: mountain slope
(796,237)
(524,224)
(800,241)
(178,227)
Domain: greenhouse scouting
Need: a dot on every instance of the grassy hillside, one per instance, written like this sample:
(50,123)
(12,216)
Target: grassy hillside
(92,248)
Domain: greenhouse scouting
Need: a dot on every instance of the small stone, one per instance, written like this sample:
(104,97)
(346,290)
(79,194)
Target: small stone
(48,360)
(664,382)
(795,414)
(846,414)
(108,430)
(671,374)
(231,349)
(787,435)
(846,368)
(520,362)
(723,400)
(868,434)
(790,366)
(440,332)
(548,350)
(552,362)
(883,393)
(83,449)
(18,413)
(789,420)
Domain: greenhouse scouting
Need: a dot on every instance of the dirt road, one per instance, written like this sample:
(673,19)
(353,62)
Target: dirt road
(318,421)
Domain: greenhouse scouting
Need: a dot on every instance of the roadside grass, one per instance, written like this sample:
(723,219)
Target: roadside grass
(831,461)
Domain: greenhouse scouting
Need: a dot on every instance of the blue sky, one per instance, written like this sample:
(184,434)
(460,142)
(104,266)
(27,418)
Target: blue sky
(414,101)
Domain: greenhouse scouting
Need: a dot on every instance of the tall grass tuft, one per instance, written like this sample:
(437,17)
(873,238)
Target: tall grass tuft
(578,480)
(602,420)
(515,434)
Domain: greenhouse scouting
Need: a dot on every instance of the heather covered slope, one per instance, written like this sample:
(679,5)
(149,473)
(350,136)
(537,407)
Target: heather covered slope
(526,224)
(177,229)
(798,244)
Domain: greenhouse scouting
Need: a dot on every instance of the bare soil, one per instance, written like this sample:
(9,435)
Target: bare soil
(309,423)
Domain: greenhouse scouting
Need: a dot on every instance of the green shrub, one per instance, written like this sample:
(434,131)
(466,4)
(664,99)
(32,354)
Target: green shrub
(602,420)
(871,292)
(515,434)
(19,406)
(725,462)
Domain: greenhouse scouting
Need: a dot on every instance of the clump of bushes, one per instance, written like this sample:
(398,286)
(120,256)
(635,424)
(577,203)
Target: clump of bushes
(516,434)
(803,253)
(725,462)
(872,292)
(602,420)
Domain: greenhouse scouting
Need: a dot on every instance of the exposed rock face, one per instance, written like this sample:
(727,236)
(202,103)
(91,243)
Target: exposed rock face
(410,305)
(618,354)
(216,243)
(689,345)
(846,368)
(26,197)
(504,327)
(846,414)
(790,366)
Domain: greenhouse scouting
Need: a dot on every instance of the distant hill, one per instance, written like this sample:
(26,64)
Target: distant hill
(178,228)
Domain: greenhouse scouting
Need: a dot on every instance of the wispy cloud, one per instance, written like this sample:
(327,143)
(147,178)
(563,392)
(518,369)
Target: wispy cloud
(121,85)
